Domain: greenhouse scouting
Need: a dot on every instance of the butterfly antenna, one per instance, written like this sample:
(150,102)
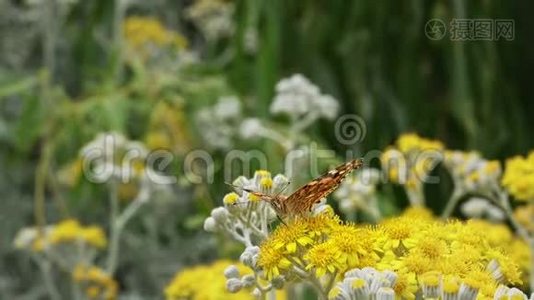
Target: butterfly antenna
(283,189)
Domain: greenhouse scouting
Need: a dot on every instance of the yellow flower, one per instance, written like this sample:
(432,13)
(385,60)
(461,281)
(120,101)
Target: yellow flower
(508,270)
(266,183)
(230,198)
(321,225)
(406,286)
(416,248)
(482,281)
(524,215)
(357,245)
(414,263)
(272,259)
(418,212)
(518,177)
(95,281)
(451,285)
(289,238)
(206,282)
(412,142)
(323,258)
(400,232)
(70,231)
(143,32)
(66,231)
(94,235)
(431,247)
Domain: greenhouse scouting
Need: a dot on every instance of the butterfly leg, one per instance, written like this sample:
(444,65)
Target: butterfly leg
(280,219)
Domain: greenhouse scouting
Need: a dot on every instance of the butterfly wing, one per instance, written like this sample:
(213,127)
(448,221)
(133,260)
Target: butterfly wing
(303,199)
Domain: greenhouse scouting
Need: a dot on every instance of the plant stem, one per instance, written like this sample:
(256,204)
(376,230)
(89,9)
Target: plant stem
(46,269)
(451,204)
(118,17)
(114,229)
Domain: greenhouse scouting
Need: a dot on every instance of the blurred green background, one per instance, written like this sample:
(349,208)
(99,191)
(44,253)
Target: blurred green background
(67,72)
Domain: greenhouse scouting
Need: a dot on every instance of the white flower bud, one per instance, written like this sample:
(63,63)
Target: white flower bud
(220,214)
(234,285)
(385,294)
(391,277)
(248,280)
(231,272)
(210,225)
(250,128)
(327,106)
(467,292)
(247,256)
(227,108)
(515,293)
(254,261)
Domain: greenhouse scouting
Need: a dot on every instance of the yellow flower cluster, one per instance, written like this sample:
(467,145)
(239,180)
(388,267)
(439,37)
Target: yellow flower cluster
(70,231)
(96,283)
(401,161)
(141,32)
(523,214)
(415,246)
(412,142)
(205,282)
(66,232)
(518,177)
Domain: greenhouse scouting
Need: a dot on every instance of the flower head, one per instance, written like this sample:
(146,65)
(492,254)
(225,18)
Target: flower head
(518,177)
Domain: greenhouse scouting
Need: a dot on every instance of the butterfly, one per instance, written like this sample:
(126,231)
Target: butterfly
(303,199)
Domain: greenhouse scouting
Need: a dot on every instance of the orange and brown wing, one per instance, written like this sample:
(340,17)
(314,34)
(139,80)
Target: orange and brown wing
(303,199)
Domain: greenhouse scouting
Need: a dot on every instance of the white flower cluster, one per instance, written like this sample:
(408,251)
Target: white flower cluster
(302,101)
(471,172)
(246,218)
(366,283)
(244,215)
(112,156)
(358,193)
(298,97)
(42,249)
(217,123)
(235,281)
(213,18)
